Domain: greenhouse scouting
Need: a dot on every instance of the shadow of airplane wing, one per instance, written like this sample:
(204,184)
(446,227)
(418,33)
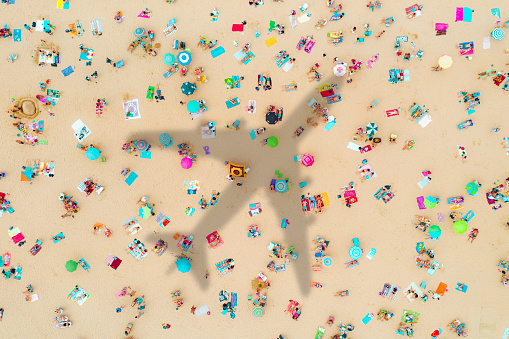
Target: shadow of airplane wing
(237,147)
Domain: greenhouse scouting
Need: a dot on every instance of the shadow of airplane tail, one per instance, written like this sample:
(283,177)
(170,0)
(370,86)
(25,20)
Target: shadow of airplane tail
(237,149)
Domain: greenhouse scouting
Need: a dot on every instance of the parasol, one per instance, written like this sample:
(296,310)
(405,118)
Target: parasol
(145,212)
(139,32)
(497,34)
(188,88)
(141,145)
(183,265)
(271,118)
(371,128)
(93,153)
(281,186)
(307,160)
(272,142)
(186,163)
(169,59)
(193,106)
(340,69)
(71,266)
(434,231)
(445,61)
(184,58)
(430,202)
(460,226)
(473,188)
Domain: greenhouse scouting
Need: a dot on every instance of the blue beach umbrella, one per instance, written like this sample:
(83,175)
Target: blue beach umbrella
(93,153)
(193,106)
(183,265)
(184,58)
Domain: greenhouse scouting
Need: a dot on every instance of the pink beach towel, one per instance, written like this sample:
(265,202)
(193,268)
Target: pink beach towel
(420,202)
(441,27)
(237,28)
(18,237)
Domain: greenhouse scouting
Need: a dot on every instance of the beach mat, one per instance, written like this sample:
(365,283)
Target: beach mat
(130,179)
(237,28)
(217,52)
(270,41)
(16,34)
(150,92)
(61,5)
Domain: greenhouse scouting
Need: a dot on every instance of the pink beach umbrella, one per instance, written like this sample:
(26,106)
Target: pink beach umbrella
(186,163)
(308,160)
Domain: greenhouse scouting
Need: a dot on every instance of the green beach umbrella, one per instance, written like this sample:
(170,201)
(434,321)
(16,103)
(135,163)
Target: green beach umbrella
(472,188)
(371,128)
(460,226)
(71,266)
(272,142)
(430,202)
(434,231)
(145,212)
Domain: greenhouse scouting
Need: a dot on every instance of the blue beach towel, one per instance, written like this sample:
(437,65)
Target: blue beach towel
(217,52)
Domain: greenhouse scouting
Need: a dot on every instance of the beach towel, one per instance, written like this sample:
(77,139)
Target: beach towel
(67,71)
(202,310)
(354,147)
(79,295)
(237,28)
(420,203)
(486,44)
(217,52)
(150,92)
(16,34)
(463,14)
(208,133)
(61,5)
(423,183)
(270,41)
(424,120)
(131,178)
(367,318)
(230,104)
(170,30)
(131,110)
(304,18)
(87,54)
(392,112)
(413,287)
(96,27)
(247,58)
(287,66)
(293,21)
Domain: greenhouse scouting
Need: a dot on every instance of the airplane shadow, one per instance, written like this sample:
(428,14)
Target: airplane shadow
(237,148)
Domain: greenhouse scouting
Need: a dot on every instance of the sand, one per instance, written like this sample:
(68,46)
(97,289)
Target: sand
(386,227)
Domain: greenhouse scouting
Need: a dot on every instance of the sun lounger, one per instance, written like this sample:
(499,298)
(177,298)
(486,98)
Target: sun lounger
(371,254)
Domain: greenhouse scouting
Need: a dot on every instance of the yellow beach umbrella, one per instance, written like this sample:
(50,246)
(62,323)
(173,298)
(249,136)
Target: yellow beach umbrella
(445,61)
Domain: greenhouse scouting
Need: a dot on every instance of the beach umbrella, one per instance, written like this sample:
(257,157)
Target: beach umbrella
(272,142)
(186,163)
(430,202)
(434,231)
(145,212)
(327,261)
(445,61)
(184,58)
(460,226)
(193,106)
(355,252)
(165,139)
(183,265)
(258,312)
(340,69)
(307,160)
(271,118)
(497,34)
(26,175)
(371,128)
(141,145)
(139,32)
(281,186)
(71,266)
(169,59)
(472,188)
(188,88)
(93,153)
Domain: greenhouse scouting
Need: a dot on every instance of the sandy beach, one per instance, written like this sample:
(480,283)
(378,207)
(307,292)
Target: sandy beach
(389,227)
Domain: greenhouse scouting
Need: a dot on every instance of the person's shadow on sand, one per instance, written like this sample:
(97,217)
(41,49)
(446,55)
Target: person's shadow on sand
(237,147)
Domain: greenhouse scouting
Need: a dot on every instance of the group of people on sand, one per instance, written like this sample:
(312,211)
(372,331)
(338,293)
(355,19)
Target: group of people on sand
(69,205)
